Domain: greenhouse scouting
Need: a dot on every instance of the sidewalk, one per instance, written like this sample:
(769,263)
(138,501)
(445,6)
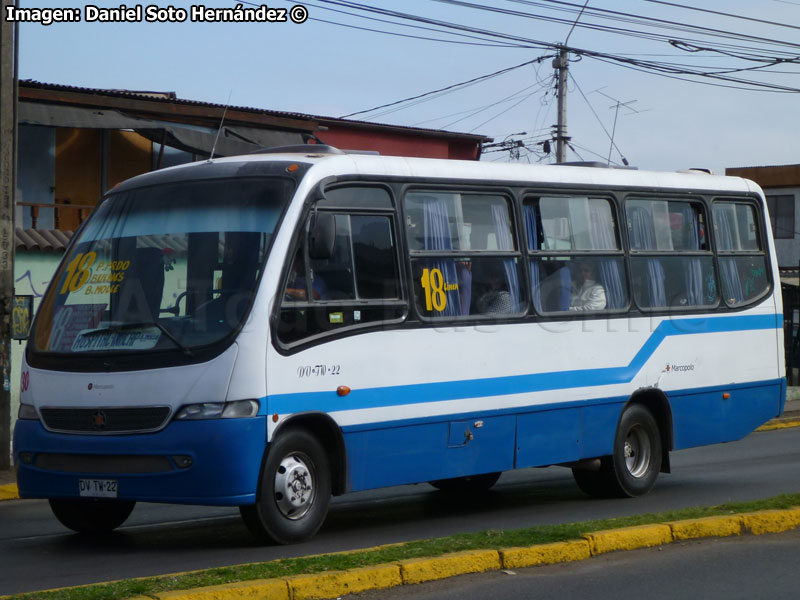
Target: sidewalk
(791,412)
(7,476)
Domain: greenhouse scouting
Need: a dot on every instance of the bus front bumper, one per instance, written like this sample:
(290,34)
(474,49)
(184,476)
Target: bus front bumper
(211,462)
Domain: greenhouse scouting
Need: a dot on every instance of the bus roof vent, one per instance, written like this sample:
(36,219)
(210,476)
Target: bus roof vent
(594,164)
(698,171)
(366,152)
(300,149)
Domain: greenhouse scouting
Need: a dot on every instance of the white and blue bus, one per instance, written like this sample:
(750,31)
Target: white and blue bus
(271,330)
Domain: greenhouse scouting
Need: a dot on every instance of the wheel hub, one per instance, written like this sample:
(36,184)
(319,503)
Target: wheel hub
(637,452)
(294,487)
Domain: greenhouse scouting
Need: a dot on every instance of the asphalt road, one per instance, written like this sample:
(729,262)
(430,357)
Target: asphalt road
(38,553)
(714,569)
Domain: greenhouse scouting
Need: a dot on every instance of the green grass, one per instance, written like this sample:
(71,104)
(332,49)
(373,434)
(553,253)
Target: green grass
(489,539)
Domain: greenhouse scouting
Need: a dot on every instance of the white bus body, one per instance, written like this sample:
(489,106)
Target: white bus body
(393,321)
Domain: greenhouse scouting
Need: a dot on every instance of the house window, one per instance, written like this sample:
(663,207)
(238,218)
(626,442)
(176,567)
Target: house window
(781,215)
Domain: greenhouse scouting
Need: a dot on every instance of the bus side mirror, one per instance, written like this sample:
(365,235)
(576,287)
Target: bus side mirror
(321,235)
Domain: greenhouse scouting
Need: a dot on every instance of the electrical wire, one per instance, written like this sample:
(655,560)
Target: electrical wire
(504,111)
(474,108)
(658,68)
(723,14)
(615,15)
(509,98)
(449,87)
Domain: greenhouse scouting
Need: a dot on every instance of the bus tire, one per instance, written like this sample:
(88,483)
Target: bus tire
(91,515)
(596,483)
(637,452)
(470,483)
(633,468)
(294,492)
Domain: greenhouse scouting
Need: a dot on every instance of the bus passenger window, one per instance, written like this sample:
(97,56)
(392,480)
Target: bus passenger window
(671,262)
(576,261)
(742,263)
(484,278)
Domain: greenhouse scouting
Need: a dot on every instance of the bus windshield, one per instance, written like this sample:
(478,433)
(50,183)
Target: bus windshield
(170,267)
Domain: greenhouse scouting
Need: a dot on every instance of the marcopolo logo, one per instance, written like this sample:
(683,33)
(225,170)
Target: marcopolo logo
(98,386)
(680,368)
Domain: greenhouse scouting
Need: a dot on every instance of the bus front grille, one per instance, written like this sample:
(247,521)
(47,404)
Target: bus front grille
(105,420)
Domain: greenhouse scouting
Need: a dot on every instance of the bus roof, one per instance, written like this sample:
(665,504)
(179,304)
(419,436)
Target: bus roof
(326,164)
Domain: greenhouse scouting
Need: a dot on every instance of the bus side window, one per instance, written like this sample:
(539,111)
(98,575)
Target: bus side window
(671,262)
(358,284)
(742,262)
(464,257)
(576,259)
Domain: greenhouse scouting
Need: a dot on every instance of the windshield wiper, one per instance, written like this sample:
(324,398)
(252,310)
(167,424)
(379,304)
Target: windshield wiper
(115,328)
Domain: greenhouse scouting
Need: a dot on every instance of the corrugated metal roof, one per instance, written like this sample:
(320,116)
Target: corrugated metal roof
(45,240)
(169,98)
(164,97)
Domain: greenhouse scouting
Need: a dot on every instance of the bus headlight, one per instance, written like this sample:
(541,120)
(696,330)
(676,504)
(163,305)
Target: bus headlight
(240,409)
(27,411)
(218,410)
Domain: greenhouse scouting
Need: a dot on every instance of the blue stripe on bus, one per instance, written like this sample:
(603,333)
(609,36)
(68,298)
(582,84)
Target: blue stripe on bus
(777,384)
(516,384)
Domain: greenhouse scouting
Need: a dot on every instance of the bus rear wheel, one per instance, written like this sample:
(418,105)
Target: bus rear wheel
(633,468)
(91,515)
(294,492)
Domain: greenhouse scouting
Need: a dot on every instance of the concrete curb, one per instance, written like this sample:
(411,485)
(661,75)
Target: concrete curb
(780,423)
(9,492)
(333,584)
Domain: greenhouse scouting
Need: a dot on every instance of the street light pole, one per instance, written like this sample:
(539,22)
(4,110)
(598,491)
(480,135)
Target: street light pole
(8,153)
(560,63)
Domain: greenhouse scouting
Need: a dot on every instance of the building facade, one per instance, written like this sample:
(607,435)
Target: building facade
(781,185)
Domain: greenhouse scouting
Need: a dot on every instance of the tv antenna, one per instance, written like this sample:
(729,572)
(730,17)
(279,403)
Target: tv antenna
(616,106)
(221,122)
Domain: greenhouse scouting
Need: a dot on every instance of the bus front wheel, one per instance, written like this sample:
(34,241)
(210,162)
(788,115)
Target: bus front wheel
(91,515)
(633,468)
(294,492)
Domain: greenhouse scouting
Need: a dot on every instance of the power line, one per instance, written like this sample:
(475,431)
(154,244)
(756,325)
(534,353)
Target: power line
(509,98)
(578,18)
(414,37)
(475,109)
(615,15)
(398,24)
(502,112)
(651,21)
(724,14)
(664,69)
(449,87)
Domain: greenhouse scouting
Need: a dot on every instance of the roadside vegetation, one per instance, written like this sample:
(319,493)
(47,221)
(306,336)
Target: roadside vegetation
(490,539)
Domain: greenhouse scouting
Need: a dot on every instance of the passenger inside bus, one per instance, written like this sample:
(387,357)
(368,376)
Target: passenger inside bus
(296,285)
(496,299)
(587,293)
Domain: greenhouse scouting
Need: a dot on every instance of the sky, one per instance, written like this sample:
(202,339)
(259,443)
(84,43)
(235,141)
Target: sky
(344,59)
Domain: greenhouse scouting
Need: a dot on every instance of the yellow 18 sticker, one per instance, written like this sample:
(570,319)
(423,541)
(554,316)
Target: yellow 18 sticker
(433,283)
(78,272)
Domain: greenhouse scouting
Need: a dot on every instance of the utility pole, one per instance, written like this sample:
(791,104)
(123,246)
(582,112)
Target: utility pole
(560,65)
(8,153)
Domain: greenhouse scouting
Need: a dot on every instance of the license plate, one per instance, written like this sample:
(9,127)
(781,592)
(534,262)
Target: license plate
(97,488)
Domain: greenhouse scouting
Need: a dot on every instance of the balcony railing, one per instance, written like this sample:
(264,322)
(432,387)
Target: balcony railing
(65,216)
